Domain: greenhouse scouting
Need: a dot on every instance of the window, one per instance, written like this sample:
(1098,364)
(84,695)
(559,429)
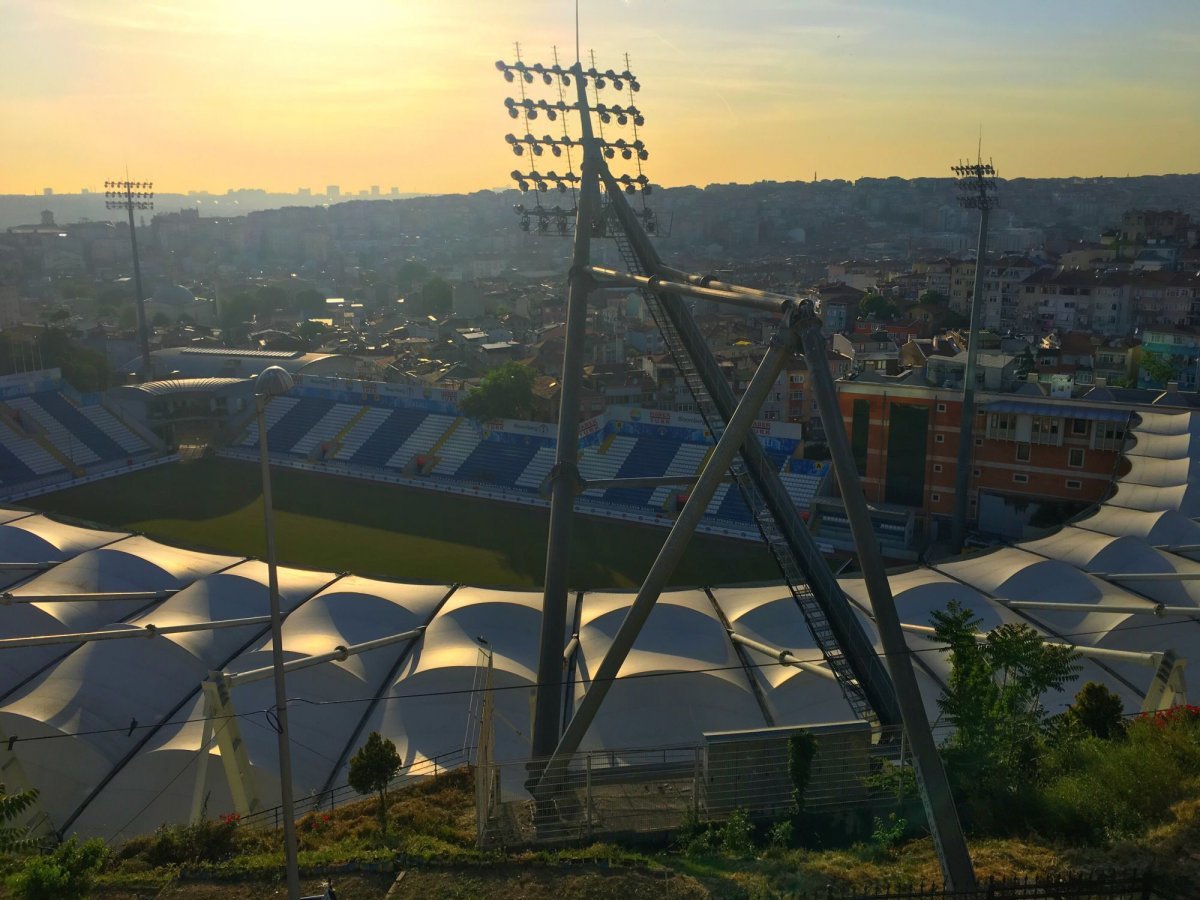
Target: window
(976,473)
(1002,426)
(937,467)
(1108,436)
(1079,427)
(935,498)
(1045,430)
(1020,478)
(797,396)
(1075,458)
(1023,453)
(1073,484)
(939,439)
(941,407)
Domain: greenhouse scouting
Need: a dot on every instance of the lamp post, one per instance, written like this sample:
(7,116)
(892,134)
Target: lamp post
(272,382)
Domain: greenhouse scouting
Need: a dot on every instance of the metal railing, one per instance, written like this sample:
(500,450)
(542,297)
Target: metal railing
(618,794)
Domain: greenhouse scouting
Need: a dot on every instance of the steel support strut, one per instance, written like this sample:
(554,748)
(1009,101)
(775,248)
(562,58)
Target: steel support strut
(548,700)
(782,347)
(947,831)
(861,665)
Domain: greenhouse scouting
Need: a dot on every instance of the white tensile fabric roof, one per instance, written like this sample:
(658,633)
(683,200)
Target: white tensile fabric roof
(111,732)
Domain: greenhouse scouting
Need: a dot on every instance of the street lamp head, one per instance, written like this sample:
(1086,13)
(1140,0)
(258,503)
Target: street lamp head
(273,381)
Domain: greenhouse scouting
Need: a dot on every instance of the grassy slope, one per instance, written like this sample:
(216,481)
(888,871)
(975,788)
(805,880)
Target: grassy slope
(433,821)
(342,524)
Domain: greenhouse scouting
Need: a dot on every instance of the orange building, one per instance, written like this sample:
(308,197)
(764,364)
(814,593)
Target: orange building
(1034,456)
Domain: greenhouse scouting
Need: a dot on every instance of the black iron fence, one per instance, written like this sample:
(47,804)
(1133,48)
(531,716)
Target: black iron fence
(1096,885)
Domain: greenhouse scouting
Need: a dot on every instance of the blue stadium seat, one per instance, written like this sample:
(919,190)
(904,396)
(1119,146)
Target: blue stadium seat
(387,438)
(79,425)
(649,457)
(12,470)
(497,462)
(296,423)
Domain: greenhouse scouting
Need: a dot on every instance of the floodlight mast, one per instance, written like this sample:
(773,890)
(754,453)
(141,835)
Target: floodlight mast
(547,721)
(130,195)
(850,654)
(977,190)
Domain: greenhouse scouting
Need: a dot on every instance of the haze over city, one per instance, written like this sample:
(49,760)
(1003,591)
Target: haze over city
(281,95)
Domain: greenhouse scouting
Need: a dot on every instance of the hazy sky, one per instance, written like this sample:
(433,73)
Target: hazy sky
(280,94)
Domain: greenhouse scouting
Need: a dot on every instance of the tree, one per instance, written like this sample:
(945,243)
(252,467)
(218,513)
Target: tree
(410,274)
(1159,368)
(874,306)
(309,301)
(1098,710)
(160,320)
(13,839)
(993,700)
(372,768)
(505,393)
(313,332)
(436,297)
(933,298)
(1025,362)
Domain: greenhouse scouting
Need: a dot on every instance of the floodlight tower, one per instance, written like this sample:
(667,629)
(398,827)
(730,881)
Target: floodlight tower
(131,195)
(585,207)
(976,184)
(603,210)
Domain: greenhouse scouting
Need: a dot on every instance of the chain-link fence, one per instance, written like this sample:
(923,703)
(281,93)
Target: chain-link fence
(614,794)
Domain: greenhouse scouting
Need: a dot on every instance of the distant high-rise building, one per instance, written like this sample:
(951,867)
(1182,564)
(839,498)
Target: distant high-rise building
(395,191)
(84,191)
(333,192)
(374,190)
(304,192)
(47,192)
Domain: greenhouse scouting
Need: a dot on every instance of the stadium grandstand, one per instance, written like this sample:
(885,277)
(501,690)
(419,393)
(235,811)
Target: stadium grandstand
(51,435)
(413,436)
(114,752)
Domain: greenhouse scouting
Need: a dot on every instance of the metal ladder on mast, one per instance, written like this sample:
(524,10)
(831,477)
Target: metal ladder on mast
(764,519)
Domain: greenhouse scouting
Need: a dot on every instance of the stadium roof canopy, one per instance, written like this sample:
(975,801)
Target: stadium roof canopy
(113,732)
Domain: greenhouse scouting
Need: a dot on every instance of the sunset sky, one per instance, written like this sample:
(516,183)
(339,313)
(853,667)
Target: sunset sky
(281,94)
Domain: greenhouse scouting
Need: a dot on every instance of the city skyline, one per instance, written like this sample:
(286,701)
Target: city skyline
(283,96)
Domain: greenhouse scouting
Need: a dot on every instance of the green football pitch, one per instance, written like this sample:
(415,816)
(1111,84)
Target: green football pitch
(369,528)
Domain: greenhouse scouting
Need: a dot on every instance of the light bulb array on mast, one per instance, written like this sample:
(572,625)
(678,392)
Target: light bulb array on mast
(539,216)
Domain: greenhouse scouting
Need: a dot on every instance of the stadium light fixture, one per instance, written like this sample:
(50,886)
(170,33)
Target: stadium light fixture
(130,195)
(272,382)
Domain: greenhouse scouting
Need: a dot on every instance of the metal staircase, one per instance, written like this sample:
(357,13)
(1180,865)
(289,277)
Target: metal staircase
(781,549)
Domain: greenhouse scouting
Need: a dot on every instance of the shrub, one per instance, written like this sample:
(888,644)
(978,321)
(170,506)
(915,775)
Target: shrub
(885,835)
(801,750)
(1097,790)
(206,841)
(1098,710)
(781,835)
(737,834)
(65,874)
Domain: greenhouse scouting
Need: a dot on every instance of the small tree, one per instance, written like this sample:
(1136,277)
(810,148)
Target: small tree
(505,393)
(14,839)
(1160,368)
(1098,710)
(372,768)
(993,700)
